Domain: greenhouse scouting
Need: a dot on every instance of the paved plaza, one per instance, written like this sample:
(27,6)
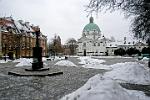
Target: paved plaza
(49,87)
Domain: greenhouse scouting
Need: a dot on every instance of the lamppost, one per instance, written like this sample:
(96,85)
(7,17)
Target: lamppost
(5,51)
(37,64)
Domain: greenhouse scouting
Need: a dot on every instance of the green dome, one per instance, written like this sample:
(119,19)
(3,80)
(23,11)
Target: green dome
(91,26)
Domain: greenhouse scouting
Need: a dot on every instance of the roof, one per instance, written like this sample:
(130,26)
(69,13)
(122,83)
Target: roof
(91,26)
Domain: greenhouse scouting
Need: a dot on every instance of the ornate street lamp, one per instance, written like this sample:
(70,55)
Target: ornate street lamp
(37,54)
(37,64)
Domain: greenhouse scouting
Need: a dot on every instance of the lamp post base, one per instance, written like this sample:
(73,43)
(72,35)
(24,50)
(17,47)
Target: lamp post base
(37,65)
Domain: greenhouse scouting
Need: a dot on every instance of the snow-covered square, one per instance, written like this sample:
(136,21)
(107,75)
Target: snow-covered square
(84,78)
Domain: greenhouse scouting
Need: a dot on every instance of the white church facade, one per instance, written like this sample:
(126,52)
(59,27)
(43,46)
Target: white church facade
(93,43)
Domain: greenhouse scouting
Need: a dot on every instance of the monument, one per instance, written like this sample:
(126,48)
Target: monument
(37,68)
(37,64)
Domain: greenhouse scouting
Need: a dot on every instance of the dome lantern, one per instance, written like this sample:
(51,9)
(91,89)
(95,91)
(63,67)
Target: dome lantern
(91,19)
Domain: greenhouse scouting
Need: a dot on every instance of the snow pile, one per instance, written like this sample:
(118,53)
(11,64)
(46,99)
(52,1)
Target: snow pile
(129,72)
(44,59)
(88,62)
(52,58)
(3,61)
(23,62)
(65,63)
(22,59)
(145,59)
(139,94)
(99,88)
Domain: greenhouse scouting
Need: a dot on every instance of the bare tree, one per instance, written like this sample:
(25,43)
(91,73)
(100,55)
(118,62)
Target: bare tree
(72,45)
(55,46)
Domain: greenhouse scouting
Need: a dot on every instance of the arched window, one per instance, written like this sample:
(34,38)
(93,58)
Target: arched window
(84,44)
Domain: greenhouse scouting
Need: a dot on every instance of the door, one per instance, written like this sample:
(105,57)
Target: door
(84,52)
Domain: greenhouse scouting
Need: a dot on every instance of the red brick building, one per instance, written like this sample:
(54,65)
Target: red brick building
(17,38)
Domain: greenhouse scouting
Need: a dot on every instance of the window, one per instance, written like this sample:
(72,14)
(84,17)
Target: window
(133,42)
(84,44)
(4,36)
(94,44)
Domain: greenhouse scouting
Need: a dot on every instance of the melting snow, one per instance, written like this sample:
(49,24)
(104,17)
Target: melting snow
(23,62)
(99,88)
(88,62)
(130,72)
(65,63)
(3,61)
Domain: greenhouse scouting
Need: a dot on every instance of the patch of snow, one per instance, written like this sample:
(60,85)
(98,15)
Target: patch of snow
(21,59)
(145,59)
(129,72)
(3,61)
(44,59)
(23,62)
(99,88)
(89,60)
(110,57)
(139,94)
(65,63)
(52,58)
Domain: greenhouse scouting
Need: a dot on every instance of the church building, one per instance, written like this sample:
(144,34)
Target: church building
(92,42)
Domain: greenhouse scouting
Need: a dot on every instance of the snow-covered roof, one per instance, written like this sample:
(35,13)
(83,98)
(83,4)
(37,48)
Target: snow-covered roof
(128,41)
(18,25)
(23,26)
(112,44)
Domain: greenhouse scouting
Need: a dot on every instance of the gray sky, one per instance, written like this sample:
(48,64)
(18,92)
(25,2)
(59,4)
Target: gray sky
(65,18)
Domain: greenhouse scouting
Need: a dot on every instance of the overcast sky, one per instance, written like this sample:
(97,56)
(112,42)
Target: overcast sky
(65,18)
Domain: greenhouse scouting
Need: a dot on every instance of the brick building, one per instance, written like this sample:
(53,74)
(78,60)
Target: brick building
(17,38)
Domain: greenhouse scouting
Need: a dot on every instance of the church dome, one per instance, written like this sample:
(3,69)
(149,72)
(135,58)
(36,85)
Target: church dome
(91,26)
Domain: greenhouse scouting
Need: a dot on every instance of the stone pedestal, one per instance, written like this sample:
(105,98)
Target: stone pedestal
(37,58)
(38,73)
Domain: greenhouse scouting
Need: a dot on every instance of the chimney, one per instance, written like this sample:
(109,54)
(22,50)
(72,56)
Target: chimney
(20,21)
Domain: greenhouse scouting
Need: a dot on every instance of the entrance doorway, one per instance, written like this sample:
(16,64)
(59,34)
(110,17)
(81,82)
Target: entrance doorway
(84,52)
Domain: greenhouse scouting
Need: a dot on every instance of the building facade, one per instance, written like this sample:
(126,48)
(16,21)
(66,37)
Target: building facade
(93,43)
(17,38)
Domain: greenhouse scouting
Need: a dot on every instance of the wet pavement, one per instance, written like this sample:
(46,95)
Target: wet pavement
(49,87)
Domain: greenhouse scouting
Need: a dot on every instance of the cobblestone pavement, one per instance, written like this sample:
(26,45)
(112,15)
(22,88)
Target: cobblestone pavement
(49,87)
